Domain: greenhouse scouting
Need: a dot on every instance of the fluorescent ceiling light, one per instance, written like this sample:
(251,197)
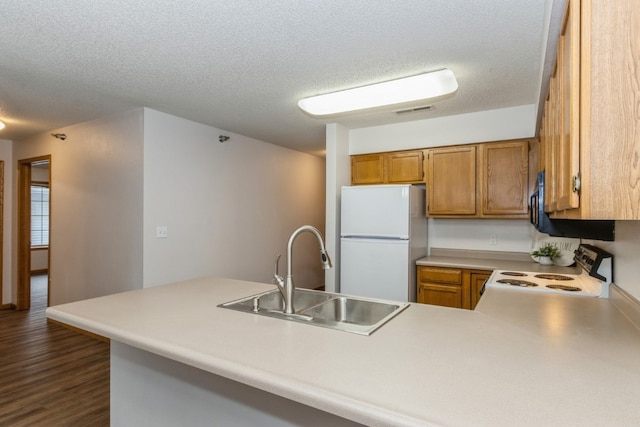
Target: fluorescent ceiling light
(1,124)
(400,93)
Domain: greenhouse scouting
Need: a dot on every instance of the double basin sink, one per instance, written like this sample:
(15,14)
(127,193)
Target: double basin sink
(336,311)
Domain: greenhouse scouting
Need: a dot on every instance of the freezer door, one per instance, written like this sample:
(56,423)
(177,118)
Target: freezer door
(376,211)
(376,269)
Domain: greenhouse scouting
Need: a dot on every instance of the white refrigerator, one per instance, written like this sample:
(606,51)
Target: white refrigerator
(383,231)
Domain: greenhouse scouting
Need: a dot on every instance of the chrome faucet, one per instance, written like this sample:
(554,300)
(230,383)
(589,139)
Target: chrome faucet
(287,289)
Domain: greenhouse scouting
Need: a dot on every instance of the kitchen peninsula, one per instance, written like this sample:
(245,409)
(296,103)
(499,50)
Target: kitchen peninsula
(516,360)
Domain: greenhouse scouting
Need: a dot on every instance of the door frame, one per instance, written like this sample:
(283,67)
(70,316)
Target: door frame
(23,299)
(2,305)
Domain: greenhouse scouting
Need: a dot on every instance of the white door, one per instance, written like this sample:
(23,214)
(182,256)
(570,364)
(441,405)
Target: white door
(375,268)
(375,211)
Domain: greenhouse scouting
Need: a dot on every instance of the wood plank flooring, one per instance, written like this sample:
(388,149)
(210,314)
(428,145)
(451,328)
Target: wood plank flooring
(50,375)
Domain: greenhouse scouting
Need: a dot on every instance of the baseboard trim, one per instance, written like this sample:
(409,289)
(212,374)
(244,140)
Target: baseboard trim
(626,303)
(7,307)
(40,272)
(81,331)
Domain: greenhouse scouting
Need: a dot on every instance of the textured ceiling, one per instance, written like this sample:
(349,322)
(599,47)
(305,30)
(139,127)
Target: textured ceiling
(242,65)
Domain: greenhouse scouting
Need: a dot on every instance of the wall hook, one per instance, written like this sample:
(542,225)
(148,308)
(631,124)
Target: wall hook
(223,138)
(61,136)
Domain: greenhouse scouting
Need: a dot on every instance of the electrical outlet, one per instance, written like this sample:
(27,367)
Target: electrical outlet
(493,239)
(162,232)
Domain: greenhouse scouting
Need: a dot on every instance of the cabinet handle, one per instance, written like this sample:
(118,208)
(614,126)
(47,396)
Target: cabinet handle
(576,183)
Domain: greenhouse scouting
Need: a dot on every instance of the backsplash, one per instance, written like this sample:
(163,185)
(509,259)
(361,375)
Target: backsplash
(480,234)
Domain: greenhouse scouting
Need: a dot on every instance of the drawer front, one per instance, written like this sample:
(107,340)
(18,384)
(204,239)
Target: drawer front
(443,295)
(440,275)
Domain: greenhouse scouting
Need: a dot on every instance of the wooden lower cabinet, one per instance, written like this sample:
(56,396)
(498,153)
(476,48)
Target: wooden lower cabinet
(450,287)
(477,279)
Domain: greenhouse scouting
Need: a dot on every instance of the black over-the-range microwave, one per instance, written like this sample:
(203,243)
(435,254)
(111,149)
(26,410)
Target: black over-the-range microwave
(578,228)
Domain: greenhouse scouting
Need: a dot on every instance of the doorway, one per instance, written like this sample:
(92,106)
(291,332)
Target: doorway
(34,206)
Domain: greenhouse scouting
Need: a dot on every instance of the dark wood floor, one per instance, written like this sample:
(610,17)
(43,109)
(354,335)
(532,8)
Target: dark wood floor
(49,375)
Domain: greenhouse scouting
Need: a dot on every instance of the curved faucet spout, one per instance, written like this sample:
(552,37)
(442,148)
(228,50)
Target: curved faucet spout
(289,287)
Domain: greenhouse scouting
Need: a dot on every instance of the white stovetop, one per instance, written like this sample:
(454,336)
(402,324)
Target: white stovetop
(519,359)
(589,286)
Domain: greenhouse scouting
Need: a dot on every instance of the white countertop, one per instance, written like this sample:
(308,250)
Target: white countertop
(519,359)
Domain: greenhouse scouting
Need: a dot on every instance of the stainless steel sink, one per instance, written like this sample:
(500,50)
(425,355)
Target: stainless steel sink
(350,310)
(345,313)
(272,300)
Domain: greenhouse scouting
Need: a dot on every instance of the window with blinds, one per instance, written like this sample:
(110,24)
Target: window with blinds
(39,215)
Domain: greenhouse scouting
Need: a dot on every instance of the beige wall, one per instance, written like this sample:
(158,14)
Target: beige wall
(229,207)
(39,260)
(96,206)
(6,155)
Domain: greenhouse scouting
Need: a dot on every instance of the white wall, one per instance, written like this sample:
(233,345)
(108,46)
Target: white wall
(6,155)
(96,206)
(229,207)
(338,174)
(474,234)
(492,125)
(626,252)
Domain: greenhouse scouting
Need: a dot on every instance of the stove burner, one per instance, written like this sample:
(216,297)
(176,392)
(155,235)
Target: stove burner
(564,288)
(516,282)
(553,277)
(513,273)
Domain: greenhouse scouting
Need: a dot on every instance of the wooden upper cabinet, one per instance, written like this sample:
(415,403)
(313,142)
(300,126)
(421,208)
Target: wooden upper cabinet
(405,167)
(367,169)
(563,119)
(504,178)
(567,194)
(451,181)
(402,167)
(489,180)
(590,126)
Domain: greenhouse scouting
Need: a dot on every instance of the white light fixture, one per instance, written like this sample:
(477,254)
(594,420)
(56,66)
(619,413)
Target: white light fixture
(1,124)
(400,93)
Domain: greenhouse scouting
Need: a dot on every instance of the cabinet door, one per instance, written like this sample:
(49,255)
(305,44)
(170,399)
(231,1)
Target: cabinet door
(567,146)
(504,179)
(451,181)
(367,169)
(405,167)
(477,281)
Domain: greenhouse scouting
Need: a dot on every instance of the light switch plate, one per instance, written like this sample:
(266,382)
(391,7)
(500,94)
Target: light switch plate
(162,232)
